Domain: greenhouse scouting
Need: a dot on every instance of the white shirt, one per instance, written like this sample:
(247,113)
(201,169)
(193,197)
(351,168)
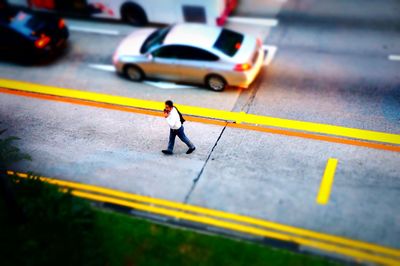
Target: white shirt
(173,119)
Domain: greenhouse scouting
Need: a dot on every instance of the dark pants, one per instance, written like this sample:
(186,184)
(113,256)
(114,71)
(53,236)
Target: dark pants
(181,134)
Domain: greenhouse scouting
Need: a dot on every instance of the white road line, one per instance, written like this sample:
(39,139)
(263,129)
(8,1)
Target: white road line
(394,57)
(168,85)
(271,51)
(159,84)
(91,30)
(256,21)
(109,68)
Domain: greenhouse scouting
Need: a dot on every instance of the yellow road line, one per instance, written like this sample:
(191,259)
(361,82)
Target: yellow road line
(360,255)
(220,214)
(239,117)
(209,121)
(326,182)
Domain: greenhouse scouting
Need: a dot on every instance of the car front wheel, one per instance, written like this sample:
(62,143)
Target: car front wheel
(134,73)
(216,83)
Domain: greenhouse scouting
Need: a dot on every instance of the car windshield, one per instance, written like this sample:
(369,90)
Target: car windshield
(155,39)
(229,42)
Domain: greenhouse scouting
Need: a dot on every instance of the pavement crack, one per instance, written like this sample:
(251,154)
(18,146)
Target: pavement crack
(247,96)
(204,166)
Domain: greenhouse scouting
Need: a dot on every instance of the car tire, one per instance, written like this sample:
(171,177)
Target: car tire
(134,73)
(216,82)
(133,14)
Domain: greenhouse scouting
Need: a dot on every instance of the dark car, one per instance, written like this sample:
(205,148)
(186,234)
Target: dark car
(27,35)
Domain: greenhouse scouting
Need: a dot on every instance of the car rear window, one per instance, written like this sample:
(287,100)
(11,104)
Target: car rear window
(229,42)
(155,39)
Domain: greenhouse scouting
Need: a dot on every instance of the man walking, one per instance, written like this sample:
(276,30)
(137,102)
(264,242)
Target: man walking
(176,128)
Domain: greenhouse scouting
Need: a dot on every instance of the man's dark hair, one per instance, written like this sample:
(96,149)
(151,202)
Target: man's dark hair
(169,103)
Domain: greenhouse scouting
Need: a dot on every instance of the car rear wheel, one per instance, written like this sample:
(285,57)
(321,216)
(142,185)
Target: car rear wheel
(216,83)
(134,73)
(133,14)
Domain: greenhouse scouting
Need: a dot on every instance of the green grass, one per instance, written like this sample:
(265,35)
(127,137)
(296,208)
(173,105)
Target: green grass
(63,230)
(133,241)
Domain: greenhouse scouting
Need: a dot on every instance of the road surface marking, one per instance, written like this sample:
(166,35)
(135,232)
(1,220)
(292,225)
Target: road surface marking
(239,118)
(109,68)
(358,134)
(359,255)
(327,181)
(168,85)
(129,104)
(271,51)
(290,133)
(255,21)
(93,30)
(394,57)
(125,199)
(216,213)
(158,84)
(206,121)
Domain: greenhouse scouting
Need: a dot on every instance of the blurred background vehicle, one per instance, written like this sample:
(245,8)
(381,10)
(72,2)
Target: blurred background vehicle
(192,53)
(24,35)
(140,12)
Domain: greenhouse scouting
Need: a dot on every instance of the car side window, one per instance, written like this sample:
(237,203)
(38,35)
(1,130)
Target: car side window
(192,53)
(168,52)
(184,53)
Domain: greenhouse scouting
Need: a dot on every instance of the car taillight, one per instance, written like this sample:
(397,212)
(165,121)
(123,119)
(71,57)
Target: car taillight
(42,41)
(242,67)
(238,45)
(61,24)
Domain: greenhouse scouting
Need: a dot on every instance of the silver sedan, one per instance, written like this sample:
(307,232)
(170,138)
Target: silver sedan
(191,53)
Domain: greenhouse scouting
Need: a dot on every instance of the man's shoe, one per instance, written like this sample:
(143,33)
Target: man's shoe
(168,152)
(190,150)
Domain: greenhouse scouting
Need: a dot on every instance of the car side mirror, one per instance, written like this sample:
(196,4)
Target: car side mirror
(150,57)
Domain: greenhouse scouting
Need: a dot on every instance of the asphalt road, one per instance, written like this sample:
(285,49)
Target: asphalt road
(331,66)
